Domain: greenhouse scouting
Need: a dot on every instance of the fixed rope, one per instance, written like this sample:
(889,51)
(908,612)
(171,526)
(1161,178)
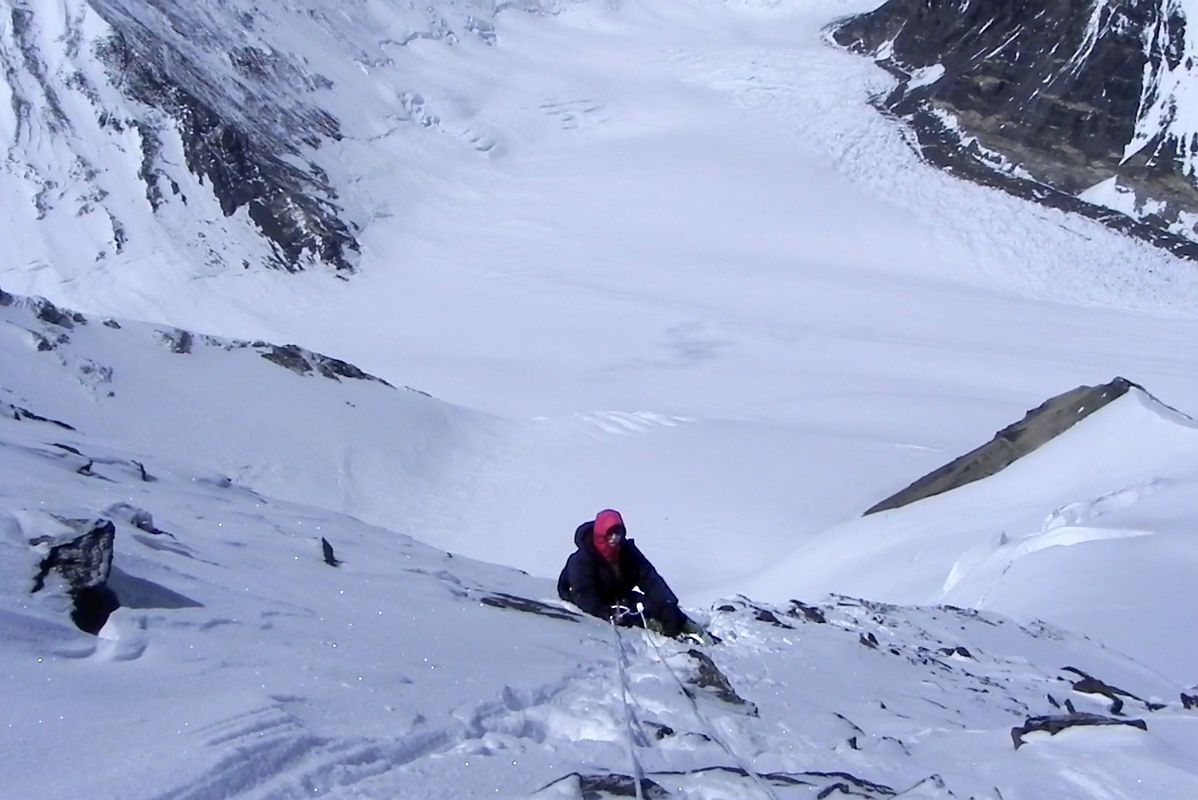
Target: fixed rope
(711,732)
(637,773)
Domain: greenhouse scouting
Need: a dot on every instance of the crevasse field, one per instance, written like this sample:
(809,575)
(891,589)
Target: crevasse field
(659,257)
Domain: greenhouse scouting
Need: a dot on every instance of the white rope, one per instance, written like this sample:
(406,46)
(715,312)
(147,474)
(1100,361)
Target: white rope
(637,774)
(715,737)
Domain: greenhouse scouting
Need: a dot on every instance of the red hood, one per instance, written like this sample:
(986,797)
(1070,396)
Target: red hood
(604,521)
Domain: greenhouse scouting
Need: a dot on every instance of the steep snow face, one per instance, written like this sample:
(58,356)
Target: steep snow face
(1089,531)
(284,420)
(241,665)
(1093,99)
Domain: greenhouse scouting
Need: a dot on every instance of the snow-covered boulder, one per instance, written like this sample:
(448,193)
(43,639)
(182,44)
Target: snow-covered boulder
(68,559)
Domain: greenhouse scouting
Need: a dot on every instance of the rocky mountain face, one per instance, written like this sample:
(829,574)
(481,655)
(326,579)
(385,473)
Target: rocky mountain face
(1086,105)
(206,132)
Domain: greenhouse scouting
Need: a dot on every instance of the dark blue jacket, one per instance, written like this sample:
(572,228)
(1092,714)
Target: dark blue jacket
(589,581)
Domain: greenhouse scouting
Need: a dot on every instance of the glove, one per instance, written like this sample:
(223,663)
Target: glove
(622,616)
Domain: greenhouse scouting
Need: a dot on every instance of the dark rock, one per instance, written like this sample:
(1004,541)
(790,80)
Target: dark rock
(143,474)
(606,785)
(1054,724)
(1088,684)
(47,312)
(137,517)
(810,613)
(303,362)
(250,148)
(765,615)
(869,640)
(19,413)
(290,357)
(848,784)
(82,561)
(6,299)
(659,730)
(336,369)
(111,323)
(178,340)
(1054,91)
(528,606)
(1040,425)
(1189,701)
(956,651)
(710,677)
(327,550)
(44,344)
(84,564)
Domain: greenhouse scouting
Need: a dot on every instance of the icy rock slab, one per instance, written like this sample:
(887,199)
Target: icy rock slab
(1039,426)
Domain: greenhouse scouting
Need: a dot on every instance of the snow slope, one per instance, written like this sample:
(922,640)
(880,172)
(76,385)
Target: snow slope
(332,439)
(829,314)
(1092,531)
(696,278)
(242,666)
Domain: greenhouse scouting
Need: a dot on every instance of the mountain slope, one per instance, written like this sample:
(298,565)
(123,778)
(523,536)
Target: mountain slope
(1086,106)
(204,134)
(248,661)
(659,256)
(1087,532)
(285,420)
(242,666)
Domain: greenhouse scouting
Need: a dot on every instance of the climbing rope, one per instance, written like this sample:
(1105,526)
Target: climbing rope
(711,732)
(637,774)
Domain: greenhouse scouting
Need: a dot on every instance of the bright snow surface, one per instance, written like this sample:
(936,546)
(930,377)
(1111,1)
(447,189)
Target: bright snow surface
(692,275)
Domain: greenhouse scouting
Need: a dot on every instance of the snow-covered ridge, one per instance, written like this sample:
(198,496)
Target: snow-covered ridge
(281,419)
(1086,531)
(1091,101)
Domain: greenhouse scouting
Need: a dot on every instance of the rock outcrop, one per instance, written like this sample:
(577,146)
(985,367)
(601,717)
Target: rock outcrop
(1080,104)
(83,562)
(1041,424)
(253,151)
(1055,723)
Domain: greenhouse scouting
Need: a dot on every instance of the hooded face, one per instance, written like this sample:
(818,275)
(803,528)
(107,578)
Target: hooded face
(609,533)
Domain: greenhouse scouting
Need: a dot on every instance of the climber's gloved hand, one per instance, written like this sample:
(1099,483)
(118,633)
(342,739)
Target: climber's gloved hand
(622,616)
